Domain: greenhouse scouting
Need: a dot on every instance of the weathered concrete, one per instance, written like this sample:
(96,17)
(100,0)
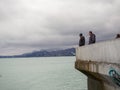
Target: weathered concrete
(101,63)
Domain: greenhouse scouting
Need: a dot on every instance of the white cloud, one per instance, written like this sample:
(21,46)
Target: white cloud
(27,25)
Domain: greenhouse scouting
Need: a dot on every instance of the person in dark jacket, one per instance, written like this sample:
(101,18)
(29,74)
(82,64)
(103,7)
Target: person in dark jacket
(117,36)
(82,40)
(92,38)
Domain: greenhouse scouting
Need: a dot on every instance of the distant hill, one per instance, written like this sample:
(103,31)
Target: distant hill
(46,53)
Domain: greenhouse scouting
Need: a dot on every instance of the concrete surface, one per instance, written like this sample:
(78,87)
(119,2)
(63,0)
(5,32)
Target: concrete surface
(101,63)
(108,51)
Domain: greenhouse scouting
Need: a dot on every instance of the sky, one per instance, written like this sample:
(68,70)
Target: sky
(32,25)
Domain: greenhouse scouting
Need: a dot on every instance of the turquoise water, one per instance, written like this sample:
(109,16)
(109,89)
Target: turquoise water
(51,73)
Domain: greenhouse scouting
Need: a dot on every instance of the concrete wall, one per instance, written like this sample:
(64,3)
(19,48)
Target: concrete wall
(108,51)
(101,63)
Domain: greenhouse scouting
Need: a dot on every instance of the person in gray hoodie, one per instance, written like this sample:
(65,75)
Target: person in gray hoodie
(92,38)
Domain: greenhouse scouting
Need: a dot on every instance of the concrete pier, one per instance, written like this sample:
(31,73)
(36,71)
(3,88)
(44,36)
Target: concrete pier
(101,63)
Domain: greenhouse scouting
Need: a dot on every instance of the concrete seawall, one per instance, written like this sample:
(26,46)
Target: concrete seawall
(101,63)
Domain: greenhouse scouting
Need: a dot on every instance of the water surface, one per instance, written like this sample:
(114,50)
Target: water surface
(46,73)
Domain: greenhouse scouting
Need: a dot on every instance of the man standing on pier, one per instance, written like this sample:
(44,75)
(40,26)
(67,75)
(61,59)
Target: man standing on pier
(92,38)
(82,40)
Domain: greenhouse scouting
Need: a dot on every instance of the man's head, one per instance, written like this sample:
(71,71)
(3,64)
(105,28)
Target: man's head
(118,36)
(90,33)
(80,34)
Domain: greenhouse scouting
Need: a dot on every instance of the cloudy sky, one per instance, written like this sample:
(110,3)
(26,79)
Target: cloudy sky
(28,25)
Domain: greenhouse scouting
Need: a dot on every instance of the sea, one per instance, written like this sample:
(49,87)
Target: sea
(41,73)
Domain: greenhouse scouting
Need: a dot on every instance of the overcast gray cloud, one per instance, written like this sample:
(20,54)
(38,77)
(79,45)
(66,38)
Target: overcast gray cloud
(27,25)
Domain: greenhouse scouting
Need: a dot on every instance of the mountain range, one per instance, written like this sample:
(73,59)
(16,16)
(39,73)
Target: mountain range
(45,53)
